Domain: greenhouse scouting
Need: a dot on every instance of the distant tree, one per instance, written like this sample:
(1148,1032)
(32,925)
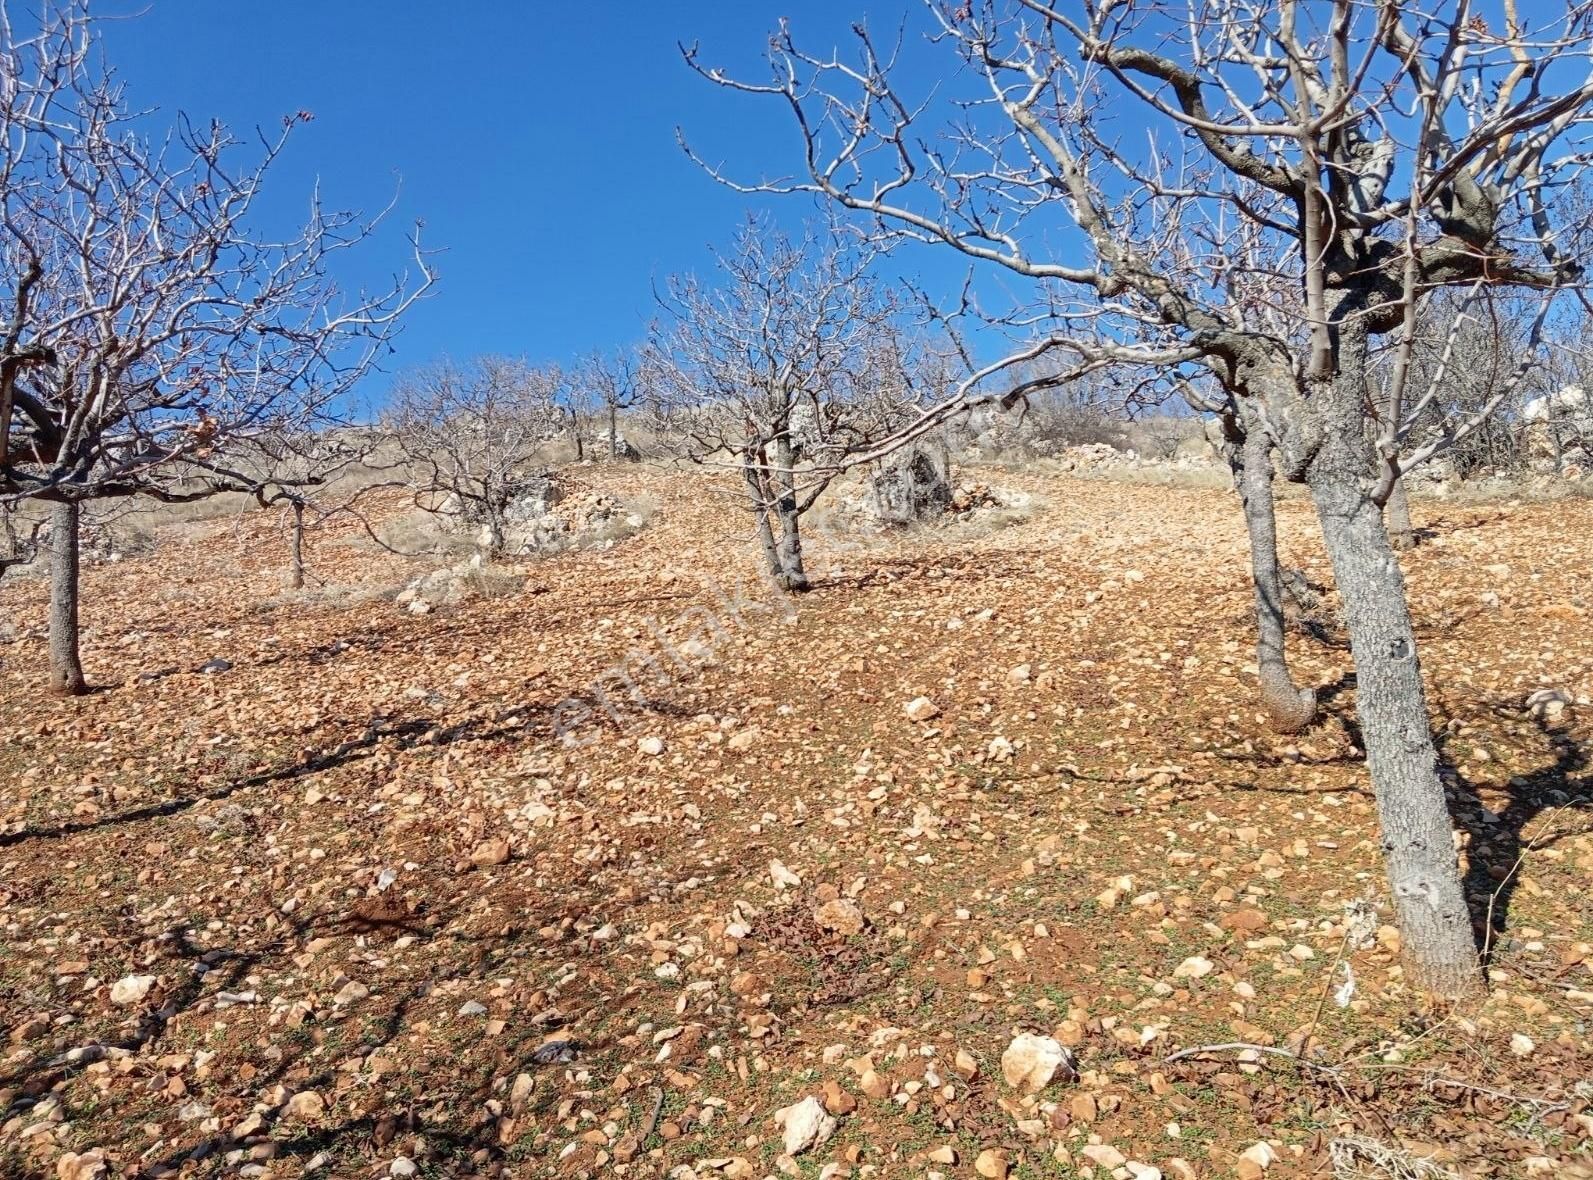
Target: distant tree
(786,371)
(152,323)
(473,434)
(614,379)
(312,477)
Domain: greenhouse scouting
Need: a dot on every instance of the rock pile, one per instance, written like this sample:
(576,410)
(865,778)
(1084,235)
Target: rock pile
(1099,457)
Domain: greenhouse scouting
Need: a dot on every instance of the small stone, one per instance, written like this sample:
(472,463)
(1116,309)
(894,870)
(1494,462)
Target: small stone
(1522,1045)
(992,1164)
(966,1065)
(747,984)
(31,1029)
(1018,675)
(651,746)
(88,1165)
(350,992)
(472,1008)
(783,877)
(944,1154)
(1193,968)
(804,1125)
(873,1085)
(836,1100)
(521,1090)
(921,709)
(1247,920)
(1254,1161)
(490,853)
(402,1166)
(1103,1155)
(306,1106)
(131,989)
(841,915)
(1030,1062)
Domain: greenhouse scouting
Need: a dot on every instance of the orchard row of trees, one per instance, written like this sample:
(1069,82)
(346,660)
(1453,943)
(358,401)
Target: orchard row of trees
(1247,203)
(1346,229)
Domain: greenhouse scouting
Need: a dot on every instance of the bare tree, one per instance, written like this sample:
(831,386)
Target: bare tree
(312,477)
(785,371)
(615,379)
(1290,123)
(472,434)
(151,323)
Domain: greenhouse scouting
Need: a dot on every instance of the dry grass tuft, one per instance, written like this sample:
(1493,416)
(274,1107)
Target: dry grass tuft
(1358,1158)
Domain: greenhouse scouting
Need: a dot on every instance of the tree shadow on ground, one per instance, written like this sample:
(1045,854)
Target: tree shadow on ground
(1499,840)
(514,723)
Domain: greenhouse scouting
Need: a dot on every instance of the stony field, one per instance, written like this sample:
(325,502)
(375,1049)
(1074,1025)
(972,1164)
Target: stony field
(631,868)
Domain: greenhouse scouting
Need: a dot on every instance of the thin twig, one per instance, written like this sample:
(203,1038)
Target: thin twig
(1235,1046)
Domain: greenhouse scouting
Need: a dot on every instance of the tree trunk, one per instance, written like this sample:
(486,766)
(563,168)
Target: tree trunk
(757,487)
(296,549)
(1290,707)
(1397,513)
(1400,532)
(1417,834)
(613,432)
(793,577)
(497,537)
(66,664)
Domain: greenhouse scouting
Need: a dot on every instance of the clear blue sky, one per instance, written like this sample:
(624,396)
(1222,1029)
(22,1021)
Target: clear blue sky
(538,148)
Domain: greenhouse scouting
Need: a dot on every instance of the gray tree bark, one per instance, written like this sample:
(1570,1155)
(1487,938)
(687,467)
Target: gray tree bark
(793,577)
(1290,707)
(1417,834)
(296,549)
(66,663)
(757,487)
(1401,533)
(1396,514)
(497,536)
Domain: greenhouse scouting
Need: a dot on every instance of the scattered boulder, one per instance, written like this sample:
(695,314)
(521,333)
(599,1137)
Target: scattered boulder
(922,709)
(842,915)
(911,488)
(1031,1061)
(131,989)
(992,1164)
(306,1106)
(87,1165)
(1549,704)
(804,1125)
(490,853)
(619,448)
(783,877)
(1255,1160)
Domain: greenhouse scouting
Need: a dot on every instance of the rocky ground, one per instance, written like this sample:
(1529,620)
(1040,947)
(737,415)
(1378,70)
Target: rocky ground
(975,861)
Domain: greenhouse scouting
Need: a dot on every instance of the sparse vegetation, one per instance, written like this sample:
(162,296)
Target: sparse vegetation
(448,788)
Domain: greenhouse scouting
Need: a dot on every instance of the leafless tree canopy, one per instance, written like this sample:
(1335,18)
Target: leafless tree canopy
(1297,153)
(471,434)
(151,320)
(790,366)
